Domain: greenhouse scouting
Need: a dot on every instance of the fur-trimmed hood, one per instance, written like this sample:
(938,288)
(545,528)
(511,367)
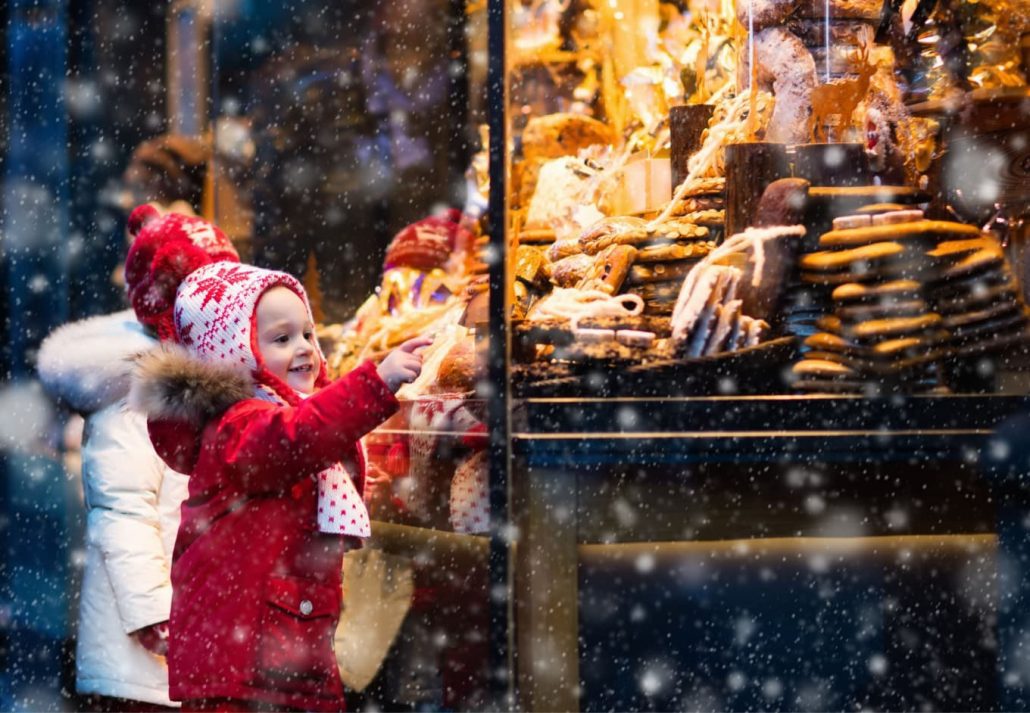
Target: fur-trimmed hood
(88,364)
(179,394)
(169,384)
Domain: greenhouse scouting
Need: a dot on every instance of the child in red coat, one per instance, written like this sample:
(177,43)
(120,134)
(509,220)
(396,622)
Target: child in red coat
(276,475)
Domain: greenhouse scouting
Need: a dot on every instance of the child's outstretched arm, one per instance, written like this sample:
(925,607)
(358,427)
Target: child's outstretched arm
(270,447)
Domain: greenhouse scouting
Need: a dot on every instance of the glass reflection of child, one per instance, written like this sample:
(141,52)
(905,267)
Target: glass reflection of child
(276,474)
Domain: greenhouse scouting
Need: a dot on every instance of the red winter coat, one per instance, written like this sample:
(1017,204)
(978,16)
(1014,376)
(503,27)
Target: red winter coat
(256,588)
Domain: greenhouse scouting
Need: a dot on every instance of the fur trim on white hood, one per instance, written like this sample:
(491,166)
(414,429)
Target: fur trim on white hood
(171,384)
(88,364)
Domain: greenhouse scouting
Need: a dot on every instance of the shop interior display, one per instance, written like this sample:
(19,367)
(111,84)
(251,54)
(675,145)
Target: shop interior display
(715,199)
(890,270)
(759,197)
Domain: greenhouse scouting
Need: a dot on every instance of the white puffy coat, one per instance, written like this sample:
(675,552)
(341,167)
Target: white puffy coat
(132,508)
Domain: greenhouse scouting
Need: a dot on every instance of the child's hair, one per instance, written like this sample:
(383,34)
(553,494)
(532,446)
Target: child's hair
(168,168)
(164,250)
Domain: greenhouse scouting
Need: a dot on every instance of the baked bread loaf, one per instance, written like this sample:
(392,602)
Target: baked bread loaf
(457,372)
(557,135)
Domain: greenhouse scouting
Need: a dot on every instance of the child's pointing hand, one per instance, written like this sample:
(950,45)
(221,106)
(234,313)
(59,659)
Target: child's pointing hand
(403,364)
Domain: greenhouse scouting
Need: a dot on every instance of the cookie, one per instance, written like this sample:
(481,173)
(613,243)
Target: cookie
(570,270)
(721,287)
(908,346)
(955,250)
(838,357)
(699,203)
(705,187)
(822,368)
(675,251)
(666,291)
(978,297)
(877,330)
(920,230)
(625,322)
(563,134)
(659,271)
(830,324)
(604,232)
(852,293)
(897,217)
(999,310)
(676,229)
(831,261)
(560,249)
(537,237)
(706,218)
(976,284)
(531,266)
(635,338)
(980,262)
(878,310)
(609,269)
(659,309)
(711,279)
(639,239)
(874,208)
(827,342)
(989,328)
(994,343)
(848,222)
(867,264)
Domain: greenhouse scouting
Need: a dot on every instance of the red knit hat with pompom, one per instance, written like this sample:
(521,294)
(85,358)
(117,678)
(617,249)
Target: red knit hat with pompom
(427,243)
(165,249)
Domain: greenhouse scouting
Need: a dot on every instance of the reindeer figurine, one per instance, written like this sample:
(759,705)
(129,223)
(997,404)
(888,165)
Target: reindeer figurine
(840,97)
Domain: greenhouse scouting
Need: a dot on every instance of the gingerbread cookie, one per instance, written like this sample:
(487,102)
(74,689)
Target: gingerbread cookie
(982,261)
(670,252)
(851,293)
(707,218)
(877,330)
(892,308)
(677,229)
(609,269)
(915,231)
(660,271)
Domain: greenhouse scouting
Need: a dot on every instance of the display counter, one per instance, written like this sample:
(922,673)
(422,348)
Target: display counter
(651,530)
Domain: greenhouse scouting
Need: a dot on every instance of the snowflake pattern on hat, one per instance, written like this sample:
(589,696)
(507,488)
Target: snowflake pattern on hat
(215,310)
(215,317)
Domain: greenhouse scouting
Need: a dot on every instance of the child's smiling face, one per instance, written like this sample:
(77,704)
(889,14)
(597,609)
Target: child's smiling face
(286,338)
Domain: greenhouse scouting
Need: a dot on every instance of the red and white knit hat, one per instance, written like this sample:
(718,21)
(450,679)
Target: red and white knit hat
(164,250)
(215,320)
(216,316)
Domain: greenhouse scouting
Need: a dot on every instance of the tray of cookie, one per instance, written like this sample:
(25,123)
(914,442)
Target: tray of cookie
(612,368)
(914,304)
(658,310)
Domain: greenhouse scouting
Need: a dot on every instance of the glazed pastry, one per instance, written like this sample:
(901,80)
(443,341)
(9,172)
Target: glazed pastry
(609,270)
(569,271)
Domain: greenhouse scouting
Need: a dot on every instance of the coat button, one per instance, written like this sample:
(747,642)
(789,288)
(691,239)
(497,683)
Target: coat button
(306,607)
